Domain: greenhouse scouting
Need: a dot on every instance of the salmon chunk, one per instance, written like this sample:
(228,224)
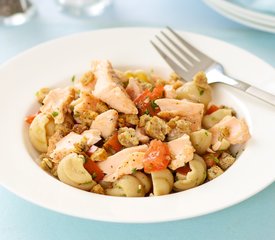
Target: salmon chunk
(192,112)
(133,88)
(85,102)
(74,142)
(124,162)
(181,150)
(109,90)
(234,130)
(57,102)
(169,91)
(106,123)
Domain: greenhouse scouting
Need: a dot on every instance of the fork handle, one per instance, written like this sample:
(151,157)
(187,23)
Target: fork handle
(260,94)
(245,87)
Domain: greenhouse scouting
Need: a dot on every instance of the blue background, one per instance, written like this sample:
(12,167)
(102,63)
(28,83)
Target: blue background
(251,219)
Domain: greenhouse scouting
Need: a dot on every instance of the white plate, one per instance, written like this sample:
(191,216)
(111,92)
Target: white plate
(244,16)
(53,63)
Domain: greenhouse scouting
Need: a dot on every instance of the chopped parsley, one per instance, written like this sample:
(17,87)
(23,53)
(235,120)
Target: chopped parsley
(154,105)
(73,78)
(55,114)
(213,119)
(83,157)
(201,91)
(134,170)
(94,175)
(76,114)
(216,160)
(139,189)
(87,182)
(206,133)
(146,112)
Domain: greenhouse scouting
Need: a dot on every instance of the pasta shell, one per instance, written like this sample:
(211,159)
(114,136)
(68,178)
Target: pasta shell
(41,128)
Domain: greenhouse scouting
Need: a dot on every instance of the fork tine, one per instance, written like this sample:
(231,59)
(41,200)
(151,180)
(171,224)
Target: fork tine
(184,53)
(179,70)
(192,49)
(180,59)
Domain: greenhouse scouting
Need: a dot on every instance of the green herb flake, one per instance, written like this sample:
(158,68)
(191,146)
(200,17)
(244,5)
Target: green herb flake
(139,189)
(84,158)
(206,133)
(94,175)
(146,111)
(154,105)
(213,119)
(134,170)
(76,114)
(73,78)
(216,160)
(201,91)
(86,183)
(55,114)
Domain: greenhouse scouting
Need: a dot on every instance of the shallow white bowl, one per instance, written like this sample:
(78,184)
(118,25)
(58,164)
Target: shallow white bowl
(54,63)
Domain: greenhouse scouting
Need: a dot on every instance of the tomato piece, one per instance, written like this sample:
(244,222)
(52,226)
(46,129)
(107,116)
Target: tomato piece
(212,109)
(157,92)
(157,157)
(31,117)
(113,143)
(184,170)
(145,101)
(94,170)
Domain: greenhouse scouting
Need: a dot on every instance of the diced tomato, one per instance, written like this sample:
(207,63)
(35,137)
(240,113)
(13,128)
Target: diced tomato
(157,92)
(94,170)
(113,143)
(184,170)
(212,109)
(157,157)
(145,101)
(31,117)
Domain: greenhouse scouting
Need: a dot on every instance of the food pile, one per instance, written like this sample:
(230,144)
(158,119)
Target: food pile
(133,133)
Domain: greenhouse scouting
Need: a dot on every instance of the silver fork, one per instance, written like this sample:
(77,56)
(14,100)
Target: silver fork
(214,70)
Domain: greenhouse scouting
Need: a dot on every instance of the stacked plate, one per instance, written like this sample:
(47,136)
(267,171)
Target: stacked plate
(248,17)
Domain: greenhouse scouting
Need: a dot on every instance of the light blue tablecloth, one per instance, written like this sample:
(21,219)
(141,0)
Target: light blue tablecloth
(252,219)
